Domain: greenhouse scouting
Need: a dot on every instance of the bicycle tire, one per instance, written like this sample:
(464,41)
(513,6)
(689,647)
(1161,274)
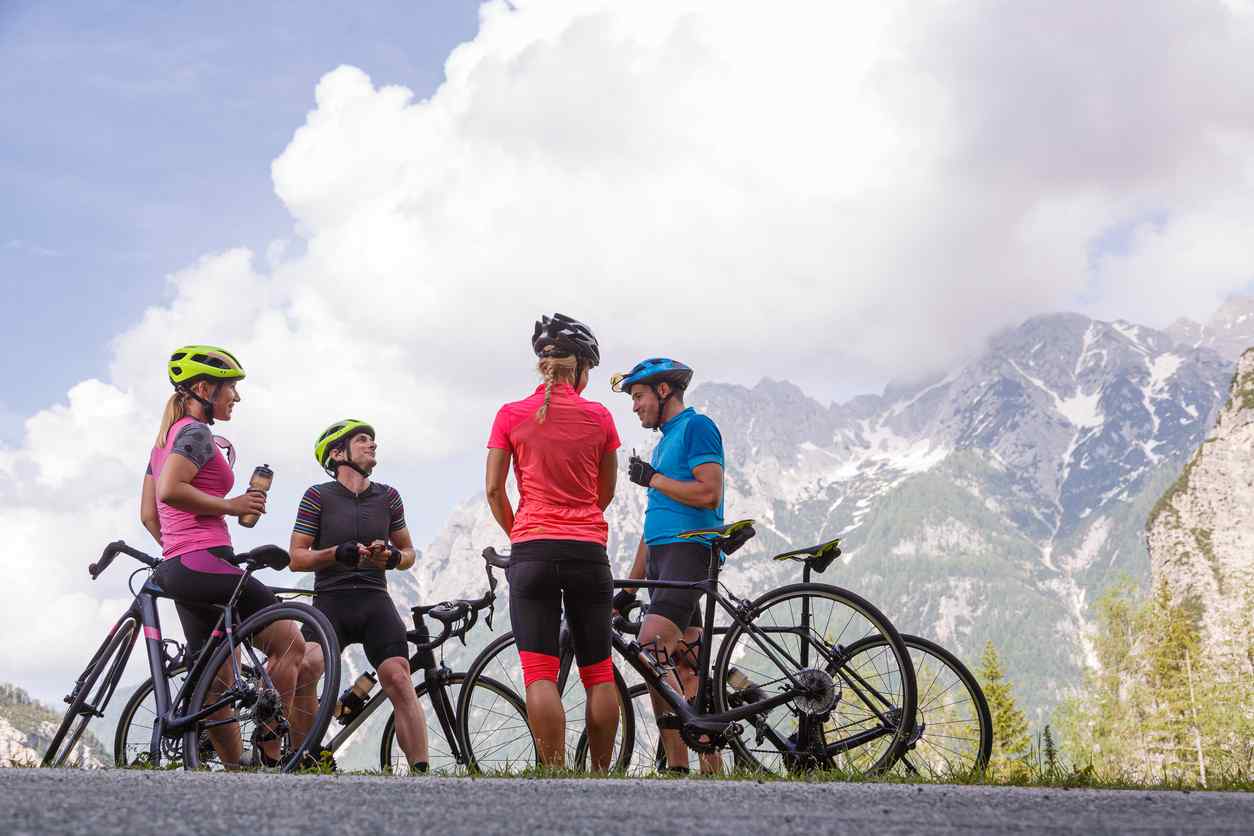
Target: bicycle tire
(510,675)
(123,746)
(965,750)
(883,713)
(112,656)
(306,617)
(441,759)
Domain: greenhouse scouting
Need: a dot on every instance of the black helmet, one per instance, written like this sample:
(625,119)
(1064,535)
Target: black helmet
(561,335)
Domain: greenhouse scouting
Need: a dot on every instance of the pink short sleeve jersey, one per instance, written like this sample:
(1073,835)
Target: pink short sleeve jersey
(556,464)
(183,531)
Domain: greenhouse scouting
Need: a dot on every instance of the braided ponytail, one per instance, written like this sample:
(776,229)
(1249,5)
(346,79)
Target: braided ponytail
(554,370)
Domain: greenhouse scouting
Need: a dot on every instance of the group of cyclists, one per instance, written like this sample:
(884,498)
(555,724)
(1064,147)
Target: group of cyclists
(350,531)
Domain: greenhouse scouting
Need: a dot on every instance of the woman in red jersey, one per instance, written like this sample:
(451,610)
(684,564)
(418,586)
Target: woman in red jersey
(563,451)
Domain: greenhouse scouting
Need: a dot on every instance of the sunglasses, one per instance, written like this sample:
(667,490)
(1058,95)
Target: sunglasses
(227,448)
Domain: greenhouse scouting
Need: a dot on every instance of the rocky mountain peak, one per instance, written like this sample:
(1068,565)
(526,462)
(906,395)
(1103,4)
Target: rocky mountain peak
(994,501)
(1229,332)
(1201,532)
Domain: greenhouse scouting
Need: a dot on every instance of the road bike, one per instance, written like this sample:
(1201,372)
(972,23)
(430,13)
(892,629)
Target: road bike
(784,694)
(953,735)
(499,716)
(245,695)
(953,731)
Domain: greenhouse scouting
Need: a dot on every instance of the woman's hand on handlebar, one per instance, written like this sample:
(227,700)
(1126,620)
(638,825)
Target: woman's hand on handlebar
(249,502)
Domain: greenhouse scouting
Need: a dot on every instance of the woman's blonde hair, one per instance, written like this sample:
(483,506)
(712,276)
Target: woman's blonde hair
(555,370)
(175,411)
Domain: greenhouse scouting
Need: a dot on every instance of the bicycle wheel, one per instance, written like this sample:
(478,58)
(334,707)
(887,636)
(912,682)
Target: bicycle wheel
(953,734)
(132,741)
(500,730)
(109,662)
(859,712)
(257,704)
(499,662)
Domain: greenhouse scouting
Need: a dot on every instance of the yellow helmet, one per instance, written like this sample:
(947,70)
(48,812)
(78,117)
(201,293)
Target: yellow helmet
(193,362)
(339,431)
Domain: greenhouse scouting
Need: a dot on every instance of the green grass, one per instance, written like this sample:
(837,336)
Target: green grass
(1026,775)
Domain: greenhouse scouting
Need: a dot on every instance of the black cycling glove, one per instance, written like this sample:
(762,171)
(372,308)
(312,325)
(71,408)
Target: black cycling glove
(394,557)
(640,471)
(348,554)
(623,600)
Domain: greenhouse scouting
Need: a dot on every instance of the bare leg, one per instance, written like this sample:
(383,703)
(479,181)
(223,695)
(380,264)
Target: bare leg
(602,722)
(685,668)
(305,705)
(225,738)
(547,718)
(285,650)
(411,723)
(666,634)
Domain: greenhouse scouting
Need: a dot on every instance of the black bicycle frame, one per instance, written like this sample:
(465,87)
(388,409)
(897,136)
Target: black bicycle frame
(702,714)
(168,724)
(435,676)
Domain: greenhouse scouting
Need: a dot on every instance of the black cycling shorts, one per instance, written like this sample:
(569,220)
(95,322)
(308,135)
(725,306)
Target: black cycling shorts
(677,562)
(545,576)
(196,592)
(366,617)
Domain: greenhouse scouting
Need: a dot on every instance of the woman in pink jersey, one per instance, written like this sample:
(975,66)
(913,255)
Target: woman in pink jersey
(562,448)
(184,507)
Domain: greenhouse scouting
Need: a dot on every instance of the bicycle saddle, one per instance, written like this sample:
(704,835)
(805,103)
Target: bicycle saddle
(728,538)
(819,557)
(265,557)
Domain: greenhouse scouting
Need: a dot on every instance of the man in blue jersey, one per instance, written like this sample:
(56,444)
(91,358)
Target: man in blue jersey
(685,482)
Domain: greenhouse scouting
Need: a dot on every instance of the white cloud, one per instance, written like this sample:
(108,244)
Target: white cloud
(830,192)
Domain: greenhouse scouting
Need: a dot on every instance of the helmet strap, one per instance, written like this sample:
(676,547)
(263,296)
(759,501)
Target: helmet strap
(661,405)
(353,465)
(348,459)
(206,405)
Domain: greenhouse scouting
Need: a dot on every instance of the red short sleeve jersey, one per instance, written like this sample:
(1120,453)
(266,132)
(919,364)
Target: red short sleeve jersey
(556,464)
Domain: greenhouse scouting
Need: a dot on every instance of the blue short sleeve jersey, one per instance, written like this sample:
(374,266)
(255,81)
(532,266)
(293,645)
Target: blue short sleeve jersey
(688,440)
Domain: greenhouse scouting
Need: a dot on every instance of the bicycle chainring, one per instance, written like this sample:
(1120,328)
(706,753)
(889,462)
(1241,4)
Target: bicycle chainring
(703,741)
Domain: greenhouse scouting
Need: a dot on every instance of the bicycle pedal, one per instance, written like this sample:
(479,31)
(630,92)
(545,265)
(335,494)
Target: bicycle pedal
(670,721)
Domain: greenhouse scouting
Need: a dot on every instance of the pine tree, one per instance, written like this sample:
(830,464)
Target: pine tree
(1010,727)
(1172,641)
(1050,752)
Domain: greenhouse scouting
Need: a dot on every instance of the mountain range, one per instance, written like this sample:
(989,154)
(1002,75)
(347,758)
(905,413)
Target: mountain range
(994,502)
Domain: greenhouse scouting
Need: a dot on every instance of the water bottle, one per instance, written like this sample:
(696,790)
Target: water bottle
(744,686)
(261,480)
(353,700)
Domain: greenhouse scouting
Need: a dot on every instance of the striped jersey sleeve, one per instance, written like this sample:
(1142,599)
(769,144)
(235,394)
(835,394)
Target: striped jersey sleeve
(309,513)
(397,509)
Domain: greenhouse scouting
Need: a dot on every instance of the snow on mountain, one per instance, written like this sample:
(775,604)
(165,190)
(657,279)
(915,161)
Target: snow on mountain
(995,501)
(1228,333)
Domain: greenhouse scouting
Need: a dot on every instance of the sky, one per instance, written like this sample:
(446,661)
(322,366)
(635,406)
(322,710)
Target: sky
(139,136)
(371,207)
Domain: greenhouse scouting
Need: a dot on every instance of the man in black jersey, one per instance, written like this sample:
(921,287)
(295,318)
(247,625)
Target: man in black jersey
(349,532)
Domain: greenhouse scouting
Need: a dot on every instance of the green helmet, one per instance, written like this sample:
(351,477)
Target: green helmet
(194,362)
(332,435)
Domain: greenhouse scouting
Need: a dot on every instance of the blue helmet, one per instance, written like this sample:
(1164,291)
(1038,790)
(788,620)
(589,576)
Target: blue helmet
(653,371)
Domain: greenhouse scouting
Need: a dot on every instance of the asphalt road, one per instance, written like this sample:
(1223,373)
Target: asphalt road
(40,801)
